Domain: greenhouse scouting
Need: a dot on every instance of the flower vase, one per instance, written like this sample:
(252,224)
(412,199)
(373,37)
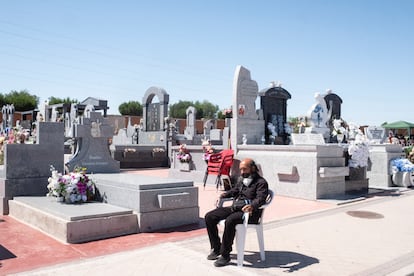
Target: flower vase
(402,179)
(60,199)
(340,138)
(184,166)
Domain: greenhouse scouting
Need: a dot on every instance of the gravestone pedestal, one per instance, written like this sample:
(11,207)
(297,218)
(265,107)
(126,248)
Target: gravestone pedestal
(74,223)
(357,181)
(319,130)
(379,168)
(159,203)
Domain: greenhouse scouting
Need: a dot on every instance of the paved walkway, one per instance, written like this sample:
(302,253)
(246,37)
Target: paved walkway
(373,236)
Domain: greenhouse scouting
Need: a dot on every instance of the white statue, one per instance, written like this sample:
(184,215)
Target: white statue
(53,118)
(244,139)
(319,114)
(88,109)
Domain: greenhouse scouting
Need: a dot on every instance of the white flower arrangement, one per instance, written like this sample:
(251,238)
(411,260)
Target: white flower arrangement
(353,130)
(337,127)
(359,151)
(74,187)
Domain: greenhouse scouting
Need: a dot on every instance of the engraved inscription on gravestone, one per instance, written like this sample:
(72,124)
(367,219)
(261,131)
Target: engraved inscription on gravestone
(153,120)
(307,139)
(375,133)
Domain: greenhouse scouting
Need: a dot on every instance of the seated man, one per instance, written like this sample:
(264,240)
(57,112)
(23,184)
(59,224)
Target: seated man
(252,190)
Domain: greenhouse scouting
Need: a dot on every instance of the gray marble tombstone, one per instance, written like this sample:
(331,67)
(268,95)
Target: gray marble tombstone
(208,126)
(190,129)
(155,112)
(27,166)
(93,150)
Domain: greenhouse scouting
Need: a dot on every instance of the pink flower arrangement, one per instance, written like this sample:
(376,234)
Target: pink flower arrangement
(183,154)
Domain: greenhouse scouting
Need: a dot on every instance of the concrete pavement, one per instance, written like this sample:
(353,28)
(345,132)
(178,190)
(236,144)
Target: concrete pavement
(369,237)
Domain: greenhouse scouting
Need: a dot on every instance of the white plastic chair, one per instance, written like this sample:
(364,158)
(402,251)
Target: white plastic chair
(241,230)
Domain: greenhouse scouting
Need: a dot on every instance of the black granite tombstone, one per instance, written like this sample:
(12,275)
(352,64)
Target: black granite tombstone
(273,102)
(334,101)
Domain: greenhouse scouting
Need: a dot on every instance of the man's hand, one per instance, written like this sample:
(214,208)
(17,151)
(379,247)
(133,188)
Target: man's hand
(247,208)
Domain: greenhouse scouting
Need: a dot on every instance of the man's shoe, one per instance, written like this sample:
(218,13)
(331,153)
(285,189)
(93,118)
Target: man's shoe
(222,261)
(213,256)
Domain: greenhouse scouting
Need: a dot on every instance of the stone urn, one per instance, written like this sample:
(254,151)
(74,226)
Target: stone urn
(403,179)
(340,137)
(184,166)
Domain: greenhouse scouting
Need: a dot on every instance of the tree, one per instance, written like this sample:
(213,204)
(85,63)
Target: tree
(2,100)
(178,110)
(54,100)
(204,109)
(131,108)
(22,100)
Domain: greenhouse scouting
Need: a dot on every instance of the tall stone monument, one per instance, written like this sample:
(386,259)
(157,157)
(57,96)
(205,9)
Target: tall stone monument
(190,129)
(155,112)
(333,103)
(245,119)
(273,102)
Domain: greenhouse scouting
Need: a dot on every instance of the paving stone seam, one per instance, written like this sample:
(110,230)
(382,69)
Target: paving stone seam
(388,267)
(332,211)
(313,215)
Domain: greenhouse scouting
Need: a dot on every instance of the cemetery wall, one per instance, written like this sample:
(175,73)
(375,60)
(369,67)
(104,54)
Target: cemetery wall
(119,121)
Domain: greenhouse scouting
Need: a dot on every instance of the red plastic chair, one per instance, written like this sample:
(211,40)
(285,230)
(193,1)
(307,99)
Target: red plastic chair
(219,164)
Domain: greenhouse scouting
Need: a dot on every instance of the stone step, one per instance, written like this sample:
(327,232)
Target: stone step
(74,223)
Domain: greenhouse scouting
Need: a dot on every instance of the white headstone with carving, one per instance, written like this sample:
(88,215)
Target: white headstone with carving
(375,134)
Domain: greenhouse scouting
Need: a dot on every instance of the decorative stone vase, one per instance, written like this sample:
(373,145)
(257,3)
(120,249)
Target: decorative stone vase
(184,166)
(340,137)
(402,179)
(60,199)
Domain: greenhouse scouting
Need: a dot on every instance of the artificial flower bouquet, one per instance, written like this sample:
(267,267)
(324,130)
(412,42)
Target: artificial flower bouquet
(75,187)
(183,154)
(358,148)
(337,127)
(401,165)
(208,150)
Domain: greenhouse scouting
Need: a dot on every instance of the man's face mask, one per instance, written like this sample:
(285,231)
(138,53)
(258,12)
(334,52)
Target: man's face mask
(247,180)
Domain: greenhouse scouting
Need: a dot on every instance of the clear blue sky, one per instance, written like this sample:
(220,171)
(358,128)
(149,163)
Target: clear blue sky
(116,50)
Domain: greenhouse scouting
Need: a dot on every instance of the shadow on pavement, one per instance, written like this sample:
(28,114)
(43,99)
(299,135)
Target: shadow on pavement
(183,228)
(5,253)
(290,261)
